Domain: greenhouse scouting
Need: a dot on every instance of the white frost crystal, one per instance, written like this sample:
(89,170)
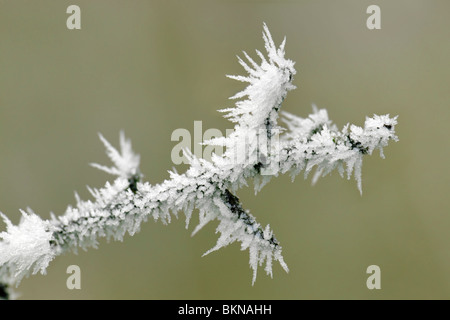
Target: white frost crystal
(126,162)
(25,248)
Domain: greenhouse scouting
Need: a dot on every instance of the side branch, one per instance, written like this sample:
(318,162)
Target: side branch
(233,203)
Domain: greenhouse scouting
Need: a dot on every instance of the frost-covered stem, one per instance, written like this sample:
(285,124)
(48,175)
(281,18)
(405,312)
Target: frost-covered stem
(66,232)
(121,207)
(233,203)
(96,221)
(316,142)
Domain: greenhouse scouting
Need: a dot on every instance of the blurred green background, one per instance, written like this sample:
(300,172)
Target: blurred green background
(150,67)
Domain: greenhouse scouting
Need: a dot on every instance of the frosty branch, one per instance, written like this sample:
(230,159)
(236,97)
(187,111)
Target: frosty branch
(209,187)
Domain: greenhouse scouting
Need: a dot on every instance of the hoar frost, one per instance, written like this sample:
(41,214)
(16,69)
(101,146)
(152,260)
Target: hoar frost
(26,248)
(304,144)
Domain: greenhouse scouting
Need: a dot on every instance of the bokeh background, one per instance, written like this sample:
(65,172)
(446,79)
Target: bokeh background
(150,67)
